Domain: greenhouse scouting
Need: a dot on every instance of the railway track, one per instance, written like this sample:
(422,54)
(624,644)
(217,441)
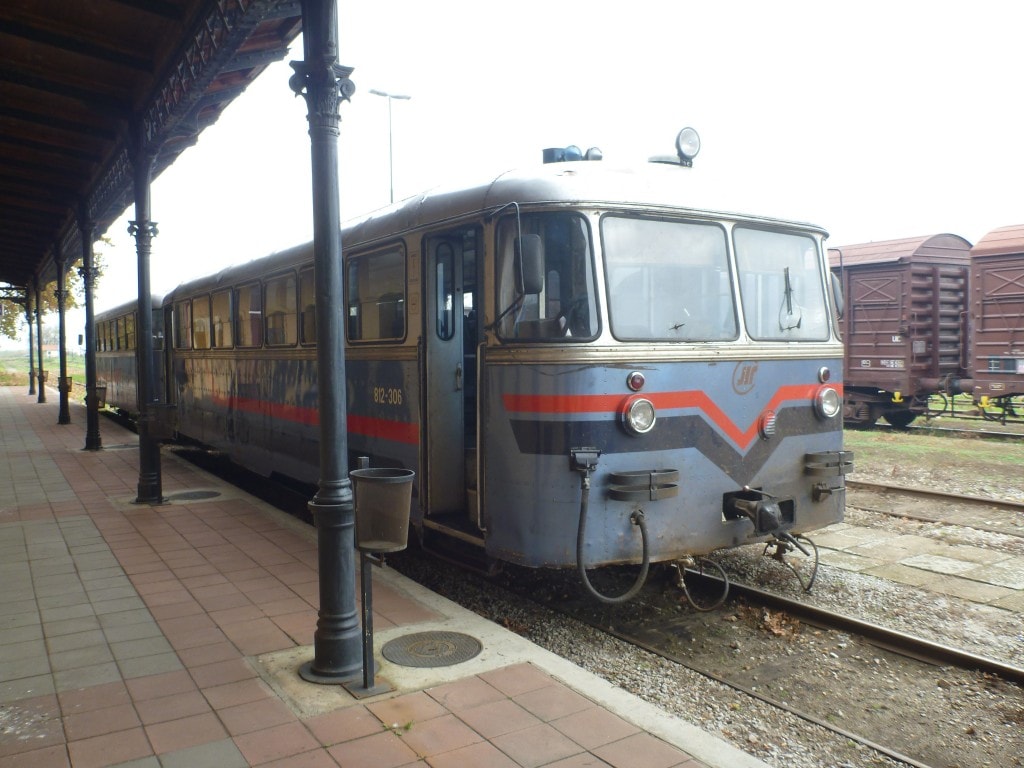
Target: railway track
(670,637)
(933,506)
(957,432)
(650,636)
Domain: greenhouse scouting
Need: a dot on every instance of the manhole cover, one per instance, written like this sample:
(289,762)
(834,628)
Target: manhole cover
(193,495)
(431,649)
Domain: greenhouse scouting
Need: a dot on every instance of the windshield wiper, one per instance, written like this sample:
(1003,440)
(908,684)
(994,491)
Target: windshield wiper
(788,299)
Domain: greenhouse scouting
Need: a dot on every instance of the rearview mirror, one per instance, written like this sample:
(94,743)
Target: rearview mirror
(529,264)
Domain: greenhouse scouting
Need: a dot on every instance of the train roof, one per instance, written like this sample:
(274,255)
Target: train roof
(229,276)
(646,186)
(931,248)
(1003,241)
(654,185)
(123,309)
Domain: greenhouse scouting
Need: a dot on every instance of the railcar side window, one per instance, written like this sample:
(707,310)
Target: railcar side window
(182,325)
(129,331)
(222,336)
(201,322)
(668,280)
(376,296)
(781,285)
(249,315)
(280,311)
(560,302)
(445,288)
(307,306)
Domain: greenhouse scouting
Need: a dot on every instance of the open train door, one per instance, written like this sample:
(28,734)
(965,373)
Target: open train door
(449,331)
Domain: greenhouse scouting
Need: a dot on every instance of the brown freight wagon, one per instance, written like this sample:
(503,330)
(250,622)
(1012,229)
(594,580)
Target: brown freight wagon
(904,325)
(997,317)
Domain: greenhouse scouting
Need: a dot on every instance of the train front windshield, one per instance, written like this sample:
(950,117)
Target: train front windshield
(670,280)
(667,280)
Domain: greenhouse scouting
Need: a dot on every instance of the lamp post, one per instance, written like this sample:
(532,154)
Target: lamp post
(391,162)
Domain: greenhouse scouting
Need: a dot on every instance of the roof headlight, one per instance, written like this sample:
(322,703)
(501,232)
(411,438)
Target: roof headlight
(827,403)
(638,415)
(687,145)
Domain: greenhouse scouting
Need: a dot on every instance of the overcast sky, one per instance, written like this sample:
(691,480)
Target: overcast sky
(874,119)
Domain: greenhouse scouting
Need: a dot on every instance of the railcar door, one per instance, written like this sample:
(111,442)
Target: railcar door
(450,333)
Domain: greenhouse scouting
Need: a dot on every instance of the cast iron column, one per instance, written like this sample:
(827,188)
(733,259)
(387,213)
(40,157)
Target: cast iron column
(86,232)
(337,641)
(144,230)
(39,343)
(60,293)
(31,343)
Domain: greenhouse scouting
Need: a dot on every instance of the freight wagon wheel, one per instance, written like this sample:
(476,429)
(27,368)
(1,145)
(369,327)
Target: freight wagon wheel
(900,419)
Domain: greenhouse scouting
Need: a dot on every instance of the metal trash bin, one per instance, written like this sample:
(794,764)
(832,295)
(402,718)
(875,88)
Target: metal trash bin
(382,498)
(65,384)
(101,395)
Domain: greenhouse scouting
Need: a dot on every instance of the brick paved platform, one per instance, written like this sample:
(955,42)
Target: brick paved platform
(170,635)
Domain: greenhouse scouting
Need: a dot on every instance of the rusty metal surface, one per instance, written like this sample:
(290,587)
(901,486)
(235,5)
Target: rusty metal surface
(1004,240)
(931,248)
(997,313)
(904,327)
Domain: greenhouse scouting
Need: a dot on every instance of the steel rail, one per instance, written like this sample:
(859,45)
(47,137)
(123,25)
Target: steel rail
(757,695)
(882,637)
(938,496)
(924,493)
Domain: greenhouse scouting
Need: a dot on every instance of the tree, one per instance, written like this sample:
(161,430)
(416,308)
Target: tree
(12,308)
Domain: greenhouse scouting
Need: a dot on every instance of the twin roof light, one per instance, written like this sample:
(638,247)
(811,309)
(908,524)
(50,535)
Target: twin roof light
(687,147)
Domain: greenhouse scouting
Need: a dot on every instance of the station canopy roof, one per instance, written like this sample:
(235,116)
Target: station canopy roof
(82,83)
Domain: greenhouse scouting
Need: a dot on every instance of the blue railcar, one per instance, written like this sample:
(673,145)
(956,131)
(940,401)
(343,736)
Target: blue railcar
(584,364)
(117,361)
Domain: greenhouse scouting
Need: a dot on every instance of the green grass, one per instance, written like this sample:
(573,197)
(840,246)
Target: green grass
(14,368)
(937,451)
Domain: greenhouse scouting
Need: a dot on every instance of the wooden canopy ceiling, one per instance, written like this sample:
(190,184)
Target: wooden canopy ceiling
(84,85)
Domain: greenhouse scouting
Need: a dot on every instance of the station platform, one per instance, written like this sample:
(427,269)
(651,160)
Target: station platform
(171,635)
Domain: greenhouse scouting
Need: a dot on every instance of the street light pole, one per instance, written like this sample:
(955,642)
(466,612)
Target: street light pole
(391,162)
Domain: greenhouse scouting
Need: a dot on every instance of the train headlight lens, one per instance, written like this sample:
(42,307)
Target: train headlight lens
(688,143)
(638,415)
(766,425)
(827,403)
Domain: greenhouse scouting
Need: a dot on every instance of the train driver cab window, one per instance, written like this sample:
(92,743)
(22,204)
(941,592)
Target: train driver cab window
(182,325)
(249,315)
(668,280)
(781,285)
(376,296)
(280,311)
(201,322)
(221,320)
(546,279)
(307,306)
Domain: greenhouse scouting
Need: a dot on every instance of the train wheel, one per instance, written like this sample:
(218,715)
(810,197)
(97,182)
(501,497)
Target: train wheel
(900,419)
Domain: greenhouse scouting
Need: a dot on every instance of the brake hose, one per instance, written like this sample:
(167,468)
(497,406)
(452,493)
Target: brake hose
(637,518)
